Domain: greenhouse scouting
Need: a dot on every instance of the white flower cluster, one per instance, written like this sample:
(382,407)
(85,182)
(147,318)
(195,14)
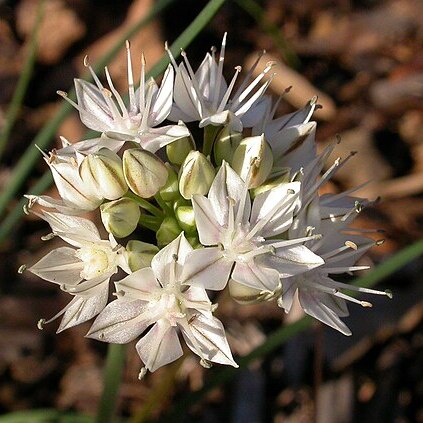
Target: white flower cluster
(244,211)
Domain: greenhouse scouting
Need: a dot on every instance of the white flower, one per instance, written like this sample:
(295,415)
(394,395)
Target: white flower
(237,232)
(83,270)
(205,96)
(103,110)
(155,296)
(76,195)
(340,246)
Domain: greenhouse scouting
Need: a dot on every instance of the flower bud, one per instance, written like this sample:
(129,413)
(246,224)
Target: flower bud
(243,294)
(253,160)
(196,175)
(103,171)
(225,145)
(178,150)
(282,177)
(140,254)
(144,172)
(168,231)
(170,190)
(186,218)
(120,217)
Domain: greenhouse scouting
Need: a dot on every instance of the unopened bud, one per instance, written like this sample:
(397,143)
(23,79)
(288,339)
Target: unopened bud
(225,145)
(168,231)
(178,150)
(103,171)
(144,172)
(253,160)
(243,294)
(196,175)
(140,254)
(170,190)
(186,218)
(283,177)
(120,217)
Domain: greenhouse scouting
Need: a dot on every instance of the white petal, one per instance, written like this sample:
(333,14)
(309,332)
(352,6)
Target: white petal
(184,94)
(82,309)
(207,268)
(273,210)
(120,322)
(59,266)
(160,346)
(53,203)
(228,186)
(91,146)
(313,306)
(291,261)
(206,337)
(155,138)
(139,285)
(163,101)
(96,114)
(176,251)
(209,230)
(289,288)
(254,275)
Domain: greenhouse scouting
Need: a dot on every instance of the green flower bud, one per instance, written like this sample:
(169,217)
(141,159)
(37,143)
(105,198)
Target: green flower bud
(282,177)
(103,171)
(186,218)
(144,172)
(178,150)
(243,294)
(253,160)
(140,254)
(196,175)
(168,231)
(225,145)
(170,191)
(120,217)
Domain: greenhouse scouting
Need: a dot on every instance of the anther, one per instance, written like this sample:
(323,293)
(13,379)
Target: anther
(41,323)
(366,304)
(389,294)
(205,363)
(279,302)
(142,373)
(127,44)
(290,191)
(351,244)
(25,209)
(238,68)
(338,138)
(379,242)
(62,93)
(86,61)
(48,237)
(214,307)
(22,269)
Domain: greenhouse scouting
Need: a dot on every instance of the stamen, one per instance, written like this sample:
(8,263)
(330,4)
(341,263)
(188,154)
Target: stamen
(22,269)
(48,237)
(206,363)
(291,242)
(142,84)
(229,90)
(146,111)
(142,373)
(93,74)
(219,77)
(131,89)
(172,59)
(115,93)
(107,95)
(41,323)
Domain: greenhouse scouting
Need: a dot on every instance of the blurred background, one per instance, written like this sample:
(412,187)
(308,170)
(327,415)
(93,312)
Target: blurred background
(364,59)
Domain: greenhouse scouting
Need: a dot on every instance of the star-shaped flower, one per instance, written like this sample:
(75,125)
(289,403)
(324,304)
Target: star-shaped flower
(104,110)
(83,270)
(155,296)
(206,97)
(241,237)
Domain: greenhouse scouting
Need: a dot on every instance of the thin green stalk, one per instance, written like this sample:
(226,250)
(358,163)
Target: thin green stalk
(277,338)
(146,205)
(210,134)
(150,222)
(44,137)
(22,85)
(168,211)
(256,12)
(115,362)
(43,416)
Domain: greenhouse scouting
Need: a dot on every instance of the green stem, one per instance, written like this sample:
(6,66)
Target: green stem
(146,205)
(115,362)
(150,222)
(168,211)
(22,85)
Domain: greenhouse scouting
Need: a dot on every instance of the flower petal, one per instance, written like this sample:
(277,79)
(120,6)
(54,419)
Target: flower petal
(138,285)
(254,275)
(155,138)
(160,346)
(207,268)
(208,227)
(163,101)
(120,322)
